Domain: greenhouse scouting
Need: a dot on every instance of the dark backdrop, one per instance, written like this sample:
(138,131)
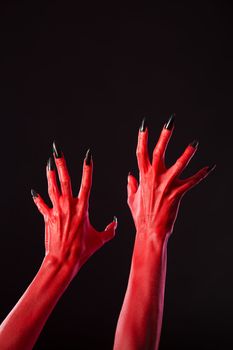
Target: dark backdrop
(86,76)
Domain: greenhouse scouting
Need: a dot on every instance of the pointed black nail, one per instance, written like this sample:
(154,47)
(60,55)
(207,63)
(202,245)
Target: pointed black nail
(170,122)
(211,167)
(56,151)
(88,157)
(194,144)
(115,218)
(50,164)
(34,193)
(143,125)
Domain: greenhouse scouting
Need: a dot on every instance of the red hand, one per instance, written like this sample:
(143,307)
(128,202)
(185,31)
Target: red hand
(154,205)
(69,236)
(69,241)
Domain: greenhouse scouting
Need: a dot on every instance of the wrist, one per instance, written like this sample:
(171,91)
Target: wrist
(64,270)
(148,262)
(149,248)
(157,238)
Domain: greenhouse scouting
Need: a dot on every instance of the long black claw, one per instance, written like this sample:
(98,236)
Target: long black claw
(143,125)
(56,150)
(50,164)
(34,193)
(170,122)
(88,157)
(211,167)
(194,144)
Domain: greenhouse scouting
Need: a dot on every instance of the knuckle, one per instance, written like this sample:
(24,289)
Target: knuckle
(65,183)
(130,200)
(41,209)
(179,164)
(65,177)
(51,189)
(157,153)
(139,153)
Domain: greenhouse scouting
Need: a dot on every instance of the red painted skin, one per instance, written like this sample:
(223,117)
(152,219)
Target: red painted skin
(69,242)
(154,205)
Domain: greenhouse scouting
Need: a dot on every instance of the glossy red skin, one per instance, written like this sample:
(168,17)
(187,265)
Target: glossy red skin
(154,204)
(69,241)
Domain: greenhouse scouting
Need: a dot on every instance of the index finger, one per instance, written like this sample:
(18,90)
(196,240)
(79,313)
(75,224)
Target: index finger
(85,188)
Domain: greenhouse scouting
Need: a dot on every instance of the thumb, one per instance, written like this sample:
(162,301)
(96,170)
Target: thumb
(132,185)
(109,231)
(39,202)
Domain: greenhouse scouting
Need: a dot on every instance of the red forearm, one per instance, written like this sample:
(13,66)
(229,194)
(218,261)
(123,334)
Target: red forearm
(154,204)
(21,328)
(140,321)
(70,240)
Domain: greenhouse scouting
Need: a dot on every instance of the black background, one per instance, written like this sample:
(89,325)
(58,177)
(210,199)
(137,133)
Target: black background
(86,76)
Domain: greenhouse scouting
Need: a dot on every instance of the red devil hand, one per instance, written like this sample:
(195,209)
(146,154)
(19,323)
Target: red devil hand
(154,205)
(155,201)
(69,241)
(69,237)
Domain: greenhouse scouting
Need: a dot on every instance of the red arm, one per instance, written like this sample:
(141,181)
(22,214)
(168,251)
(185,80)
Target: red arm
(154,205)
(69,241)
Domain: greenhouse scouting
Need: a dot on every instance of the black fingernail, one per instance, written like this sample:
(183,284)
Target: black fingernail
(34,193)
(56,151)
(88,157)
(129,173)
(170,122)
(50,164)
(194,144)
(115,218)
(211,167)
(143,125)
